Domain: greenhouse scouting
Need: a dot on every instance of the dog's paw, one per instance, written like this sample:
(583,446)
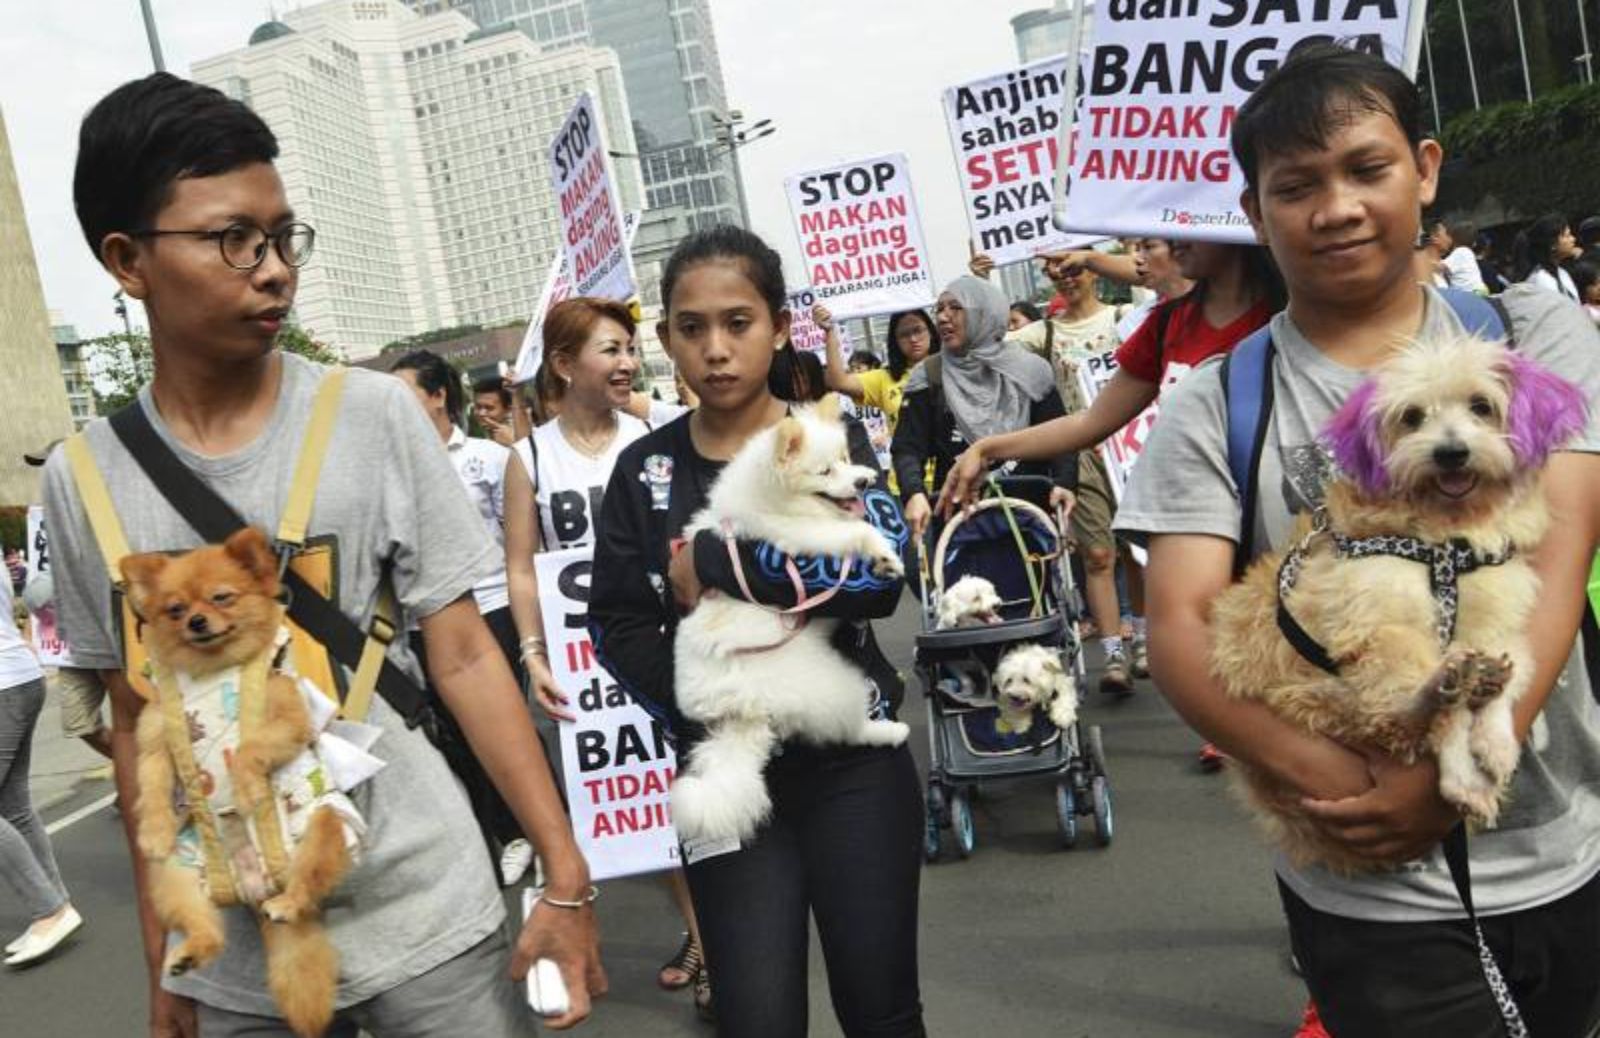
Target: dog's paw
(194,952)
(1495,751)
(887,564)
(1455,676)
(1491,677)
(1466,786)
(1063,714)
(883,733)
(283,909)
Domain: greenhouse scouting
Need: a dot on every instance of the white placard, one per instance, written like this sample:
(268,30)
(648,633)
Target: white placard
(860,237)
(48,643)
(1122,448)
(592,234)
(1161,88)
(557,286)
(1003,131)
(615,760)
(807,335)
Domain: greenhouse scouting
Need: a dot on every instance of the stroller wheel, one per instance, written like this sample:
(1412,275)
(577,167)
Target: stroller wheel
(1096,751)
(932,838)
(1066,814)
(961,823)
(936,802)
(1100,796)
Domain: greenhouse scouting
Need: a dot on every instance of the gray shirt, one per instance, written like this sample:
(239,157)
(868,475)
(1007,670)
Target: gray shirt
(422,892)
(1547,843)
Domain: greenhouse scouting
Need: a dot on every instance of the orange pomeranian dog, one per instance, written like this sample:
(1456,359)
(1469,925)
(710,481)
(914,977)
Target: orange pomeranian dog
(259,821)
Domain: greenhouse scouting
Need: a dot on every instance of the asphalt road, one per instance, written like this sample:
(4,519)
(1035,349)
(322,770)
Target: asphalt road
(1174,930)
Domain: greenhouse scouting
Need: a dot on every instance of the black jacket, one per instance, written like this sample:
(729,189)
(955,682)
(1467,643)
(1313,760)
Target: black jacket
(658,485)
(926,429)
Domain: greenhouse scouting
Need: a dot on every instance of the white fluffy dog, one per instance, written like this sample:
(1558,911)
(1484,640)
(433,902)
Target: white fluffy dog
(1415,582)
(750,674)
(1031,676)
(969,602)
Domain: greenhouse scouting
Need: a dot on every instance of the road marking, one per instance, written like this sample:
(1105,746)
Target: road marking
(80,814)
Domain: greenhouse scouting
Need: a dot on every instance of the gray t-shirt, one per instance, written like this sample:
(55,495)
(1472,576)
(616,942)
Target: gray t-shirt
(1547,843)
(422,892)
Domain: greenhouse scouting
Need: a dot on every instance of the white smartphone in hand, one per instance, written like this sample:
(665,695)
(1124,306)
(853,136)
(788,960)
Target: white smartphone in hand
(547,992)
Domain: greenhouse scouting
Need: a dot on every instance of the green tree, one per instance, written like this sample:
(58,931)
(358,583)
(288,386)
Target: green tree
(121,363)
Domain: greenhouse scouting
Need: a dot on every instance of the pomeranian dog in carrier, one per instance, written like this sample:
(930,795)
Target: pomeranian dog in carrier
(999,663)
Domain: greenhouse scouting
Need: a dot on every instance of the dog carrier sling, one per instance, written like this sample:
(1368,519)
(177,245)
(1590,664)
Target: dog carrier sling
(1247,398)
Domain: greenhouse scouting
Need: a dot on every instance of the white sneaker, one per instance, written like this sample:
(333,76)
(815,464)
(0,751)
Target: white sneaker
(32,946)
(514,861)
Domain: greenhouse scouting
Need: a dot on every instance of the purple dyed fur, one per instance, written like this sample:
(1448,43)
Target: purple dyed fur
(1353,436)
(1545,411)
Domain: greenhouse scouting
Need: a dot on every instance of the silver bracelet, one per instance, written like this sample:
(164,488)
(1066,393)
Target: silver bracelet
(588,899)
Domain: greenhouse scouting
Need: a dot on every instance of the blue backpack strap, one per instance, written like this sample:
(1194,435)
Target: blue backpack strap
(1483,316)
(1247,396)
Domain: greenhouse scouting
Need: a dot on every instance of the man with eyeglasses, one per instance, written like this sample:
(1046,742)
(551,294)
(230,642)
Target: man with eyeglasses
(179,199)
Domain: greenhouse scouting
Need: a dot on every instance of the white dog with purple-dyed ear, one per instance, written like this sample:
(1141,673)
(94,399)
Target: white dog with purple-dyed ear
(1396,621)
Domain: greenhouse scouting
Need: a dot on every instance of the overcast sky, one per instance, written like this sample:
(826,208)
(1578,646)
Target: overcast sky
(842,79)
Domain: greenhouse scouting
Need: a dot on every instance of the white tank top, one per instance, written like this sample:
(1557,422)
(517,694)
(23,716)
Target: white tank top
(568,484)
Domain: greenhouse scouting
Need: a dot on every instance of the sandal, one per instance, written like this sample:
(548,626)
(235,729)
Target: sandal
(702,996)
(689,962)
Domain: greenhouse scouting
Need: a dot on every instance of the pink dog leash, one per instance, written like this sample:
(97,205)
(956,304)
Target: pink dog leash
(804,602)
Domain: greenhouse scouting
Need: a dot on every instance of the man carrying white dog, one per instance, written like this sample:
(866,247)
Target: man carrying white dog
(1337,174)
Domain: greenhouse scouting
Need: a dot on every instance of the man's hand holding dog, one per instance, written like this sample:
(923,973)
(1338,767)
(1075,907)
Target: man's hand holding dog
(1401,818)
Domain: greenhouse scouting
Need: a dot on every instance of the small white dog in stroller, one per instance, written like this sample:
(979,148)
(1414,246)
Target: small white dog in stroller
(1030,677)
(755,676)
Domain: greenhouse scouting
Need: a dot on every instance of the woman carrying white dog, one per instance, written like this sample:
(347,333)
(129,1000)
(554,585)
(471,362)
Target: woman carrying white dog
(844,839)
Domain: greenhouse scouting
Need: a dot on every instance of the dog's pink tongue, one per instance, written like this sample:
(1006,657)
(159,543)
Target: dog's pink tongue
(1456,484)
(858,507)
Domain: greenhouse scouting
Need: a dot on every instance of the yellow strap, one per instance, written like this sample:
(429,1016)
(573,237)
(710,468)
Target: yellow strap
(97,505)
(385,623)
(252,714)
(219,877)
(296,518)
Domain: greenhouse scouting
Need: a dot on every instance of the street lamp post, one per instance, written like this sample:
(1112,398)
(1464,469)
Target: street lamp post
(151,34)
(730,138)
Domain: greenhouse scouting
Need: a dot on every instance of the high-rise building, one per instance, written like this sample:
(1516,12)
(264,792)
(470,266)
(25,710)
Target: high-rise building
(75,375)
(673,74)
(1047,33)
(36,410)
(416,145)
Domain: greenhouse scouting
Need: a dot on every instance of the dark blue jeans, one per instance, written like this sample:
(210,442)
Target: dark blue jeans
(844,846)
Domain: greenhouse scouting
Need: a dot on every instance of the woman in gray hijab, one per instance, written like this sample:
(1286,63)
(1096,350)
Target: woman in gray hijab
(979,385)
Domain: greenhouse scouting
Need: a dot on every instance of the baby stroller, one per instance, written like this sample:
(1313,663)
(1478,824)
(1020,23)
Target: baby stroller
(1013,542)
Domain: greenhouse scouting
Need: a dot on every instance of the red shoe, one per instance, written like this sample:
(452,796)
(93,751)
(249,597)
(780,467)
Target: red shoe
(1311,1024)
(1211,758)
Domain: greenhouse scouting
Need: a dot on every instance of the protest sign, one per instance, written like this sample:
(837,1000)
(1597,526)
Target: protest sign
(1003,132)
(1163,83)
(48,644)
(1122,448)
(860,237)
(615,760)
(557,286)
(592,235)
(805,333)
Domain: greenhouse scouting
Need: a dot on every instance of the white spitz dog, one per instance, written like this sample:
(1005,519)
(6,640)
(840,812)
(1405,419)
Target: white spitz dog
(749,673)
(1032,676)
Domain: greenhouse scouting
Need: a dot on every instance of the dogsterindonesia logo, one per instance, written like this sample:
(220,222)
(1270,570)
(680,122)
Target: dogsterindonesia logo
(1190,218)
